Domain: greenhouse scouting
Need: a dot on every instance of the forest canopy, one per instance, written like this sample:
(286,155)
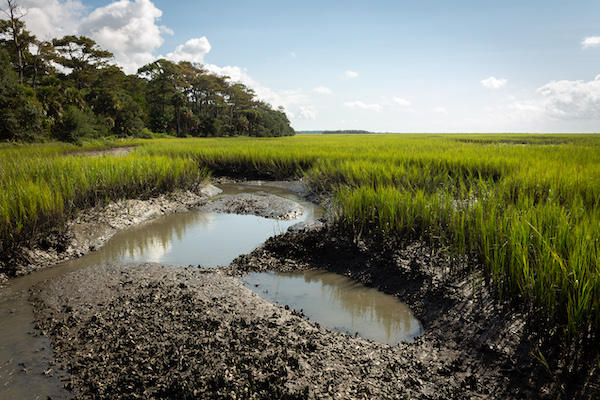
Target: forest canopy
(68,89)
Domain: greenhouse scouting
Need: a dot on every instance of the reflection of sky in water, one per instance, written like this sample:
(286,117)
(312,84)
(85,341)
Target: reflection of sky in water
(339,303)
(211,239)
(194,237)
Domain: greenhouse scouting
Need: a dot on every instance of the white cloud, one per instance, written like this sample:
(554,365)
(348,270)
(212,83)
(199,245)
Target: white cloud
(493,83)
(563,100)
(52,18)
(361,105)
(193,50)
(401,102)
(308,113)
(284,98)
(440,110)
(351,74)
(591,41)
(127,28)
(322,90)
(404,104)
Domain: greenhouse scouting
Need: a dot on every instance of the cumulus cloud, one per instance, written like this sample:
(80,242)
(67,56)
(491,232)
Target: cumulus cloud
(401,102)
(360,105)
(405,105)
(322,90)
(591,41)
(493,83)
(351,74)
(193,50)
(284,98)
(307,113)
(564,100)
(52,18)
(440,110)
(127,28)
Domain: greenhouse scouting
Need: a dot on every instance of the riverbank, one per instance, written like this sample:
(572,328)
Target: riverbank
(92,228)
(169,332)
(157,331)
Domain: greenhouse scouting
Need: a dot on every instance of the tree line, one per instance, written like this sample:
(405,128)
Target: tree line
(67,89)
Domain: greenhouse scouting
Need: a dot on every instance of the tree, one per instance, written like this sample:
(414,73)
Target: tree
(82,56)
(40,62)
(14,27)
(165,82)
(21,116)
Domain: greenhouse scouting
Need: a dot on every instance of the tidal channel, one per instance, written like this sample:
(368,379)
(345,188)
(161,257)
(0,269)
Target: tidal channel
(210,240)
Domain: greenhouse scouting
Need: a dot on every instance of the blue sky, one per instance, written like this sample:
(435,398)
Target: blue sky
(385,66)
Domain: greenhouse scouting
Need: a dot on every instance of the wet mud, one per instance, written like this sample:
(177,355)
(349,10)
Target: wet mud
(261,204)
(147,330)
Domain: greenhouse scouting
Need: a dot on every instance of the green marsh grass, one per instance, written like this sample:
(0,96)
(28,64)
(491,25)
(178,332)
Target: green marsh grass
(525,207)
(43,186)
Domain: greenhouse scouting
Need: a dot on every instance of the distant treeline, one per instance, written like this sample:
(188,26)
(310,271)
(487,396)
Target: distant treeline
(345,132)
(67,89)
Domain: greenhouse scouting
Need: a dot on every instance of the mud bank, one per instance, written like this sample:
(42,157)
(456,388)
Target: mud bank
(156,331)
(474,345)
(260,204)
(92,228)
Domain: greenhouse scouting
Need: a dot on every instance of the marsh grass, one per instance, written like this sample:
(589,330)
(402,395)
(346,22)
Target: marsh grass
(43,186)
(525,207)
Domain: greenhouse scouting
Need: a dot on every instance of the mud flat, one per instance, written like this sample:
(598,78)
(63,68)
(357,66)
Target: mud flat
(157,331)
(147,330)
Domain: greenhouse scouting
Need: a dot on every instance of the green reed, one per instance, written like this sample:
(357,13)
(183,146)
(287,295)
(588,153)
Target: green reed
(42,186)
(525,209)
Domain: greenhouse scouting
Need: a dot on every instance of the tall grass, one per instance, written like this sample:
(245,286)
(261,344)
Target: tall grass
(528,211)
(527,207)
(43,186)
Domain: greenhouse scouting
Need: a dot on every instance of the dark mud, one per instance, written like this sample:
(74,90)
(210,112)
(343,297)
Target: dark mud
(92,228)
(474,345)
(261,204)
(156,331)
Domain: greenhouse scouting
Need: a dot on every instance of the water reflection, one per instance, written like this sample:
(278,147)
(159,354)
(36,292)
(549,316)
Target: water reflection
(339,303)
(195,238)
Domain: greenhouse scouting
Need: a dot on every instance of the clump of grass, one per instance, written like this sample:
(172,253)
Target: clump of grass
(526,206)
(43,186)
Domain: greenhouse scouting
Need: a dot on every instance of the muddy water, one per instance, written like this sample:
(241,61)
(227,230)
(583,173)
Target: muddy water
(339,303)
(193,238)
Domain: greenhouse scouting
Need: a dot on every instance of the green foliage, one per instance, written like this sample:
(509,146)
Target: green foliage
(76,124)
(91,98)
(43,186)
(21,116)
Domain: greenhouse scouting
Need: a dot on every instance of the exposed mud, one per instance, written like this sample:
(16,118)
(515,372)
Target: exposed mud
(260,204)
(92,228)
(156,331)
(115,151)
